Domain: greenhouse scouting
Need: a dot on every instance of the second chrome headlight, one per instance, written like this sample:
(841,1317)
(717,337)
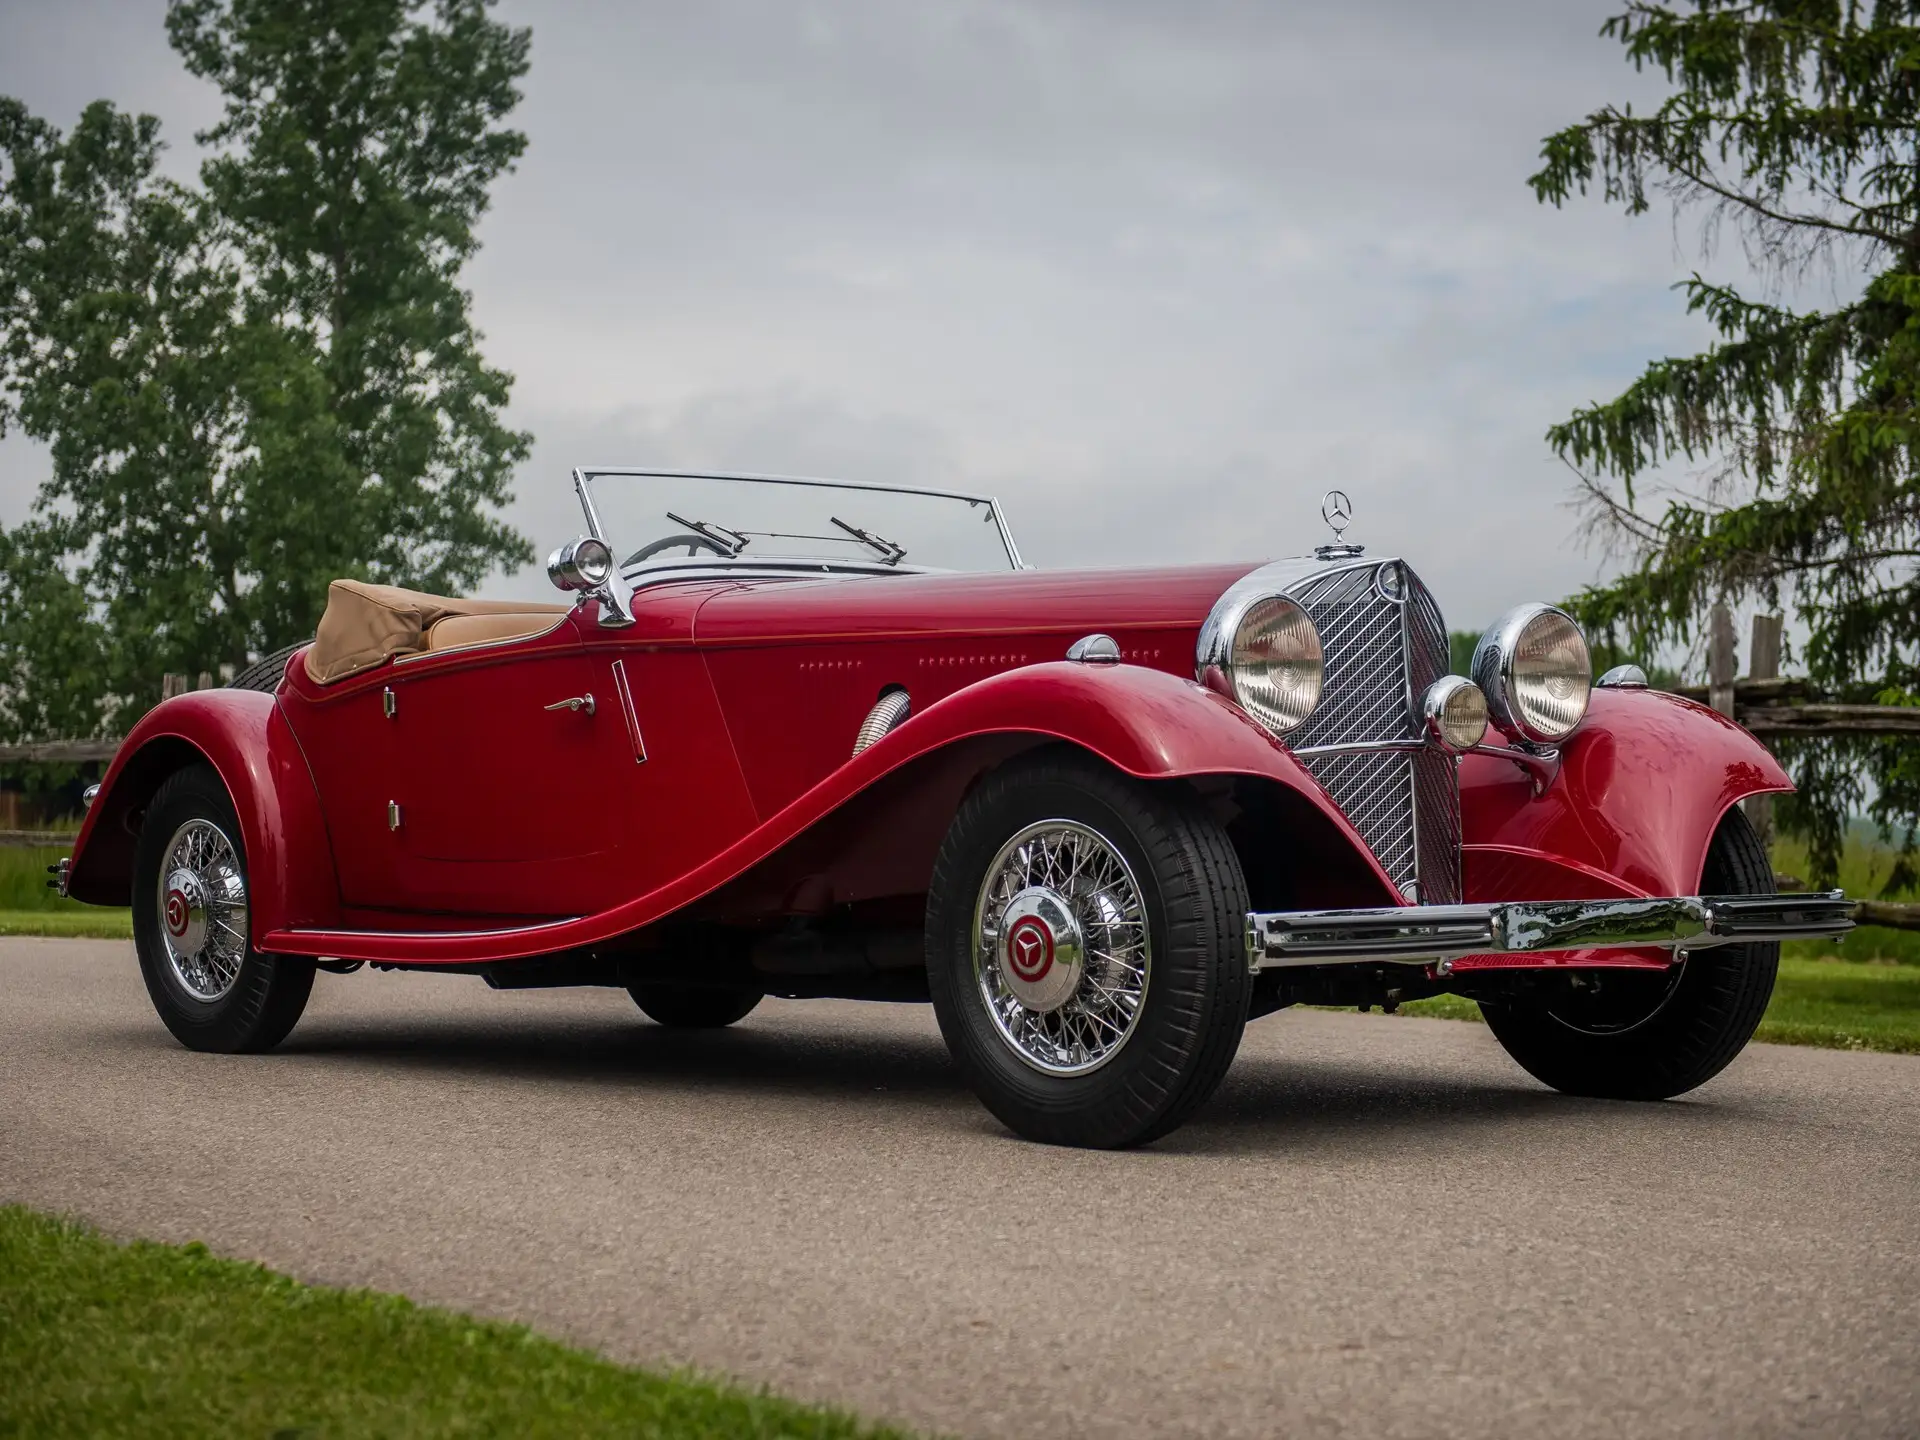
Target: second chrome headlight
(1533,666)
(1274,663)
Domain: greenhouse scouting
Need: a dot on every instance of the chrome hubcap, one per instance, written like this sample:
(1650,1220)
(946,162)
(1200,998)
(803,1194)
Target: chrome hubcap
(1061,952)
(1040,950)
(203,910)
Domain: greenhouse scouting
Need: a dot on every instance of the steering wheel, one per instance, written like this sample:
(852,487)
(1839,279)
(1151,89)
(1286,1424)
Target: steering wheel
(694,544)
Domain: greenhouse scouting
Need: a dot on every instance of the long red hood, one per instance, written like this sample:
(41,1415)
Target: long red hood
(1026,603)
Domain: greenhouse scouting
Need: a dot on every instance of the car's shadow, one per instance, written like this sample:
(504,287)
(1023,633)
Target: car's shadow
(747,1057)
(1266,1103)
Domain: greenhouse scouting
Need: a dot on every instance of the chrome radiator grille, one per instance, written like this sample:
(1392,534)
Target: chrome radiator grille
(1381,653)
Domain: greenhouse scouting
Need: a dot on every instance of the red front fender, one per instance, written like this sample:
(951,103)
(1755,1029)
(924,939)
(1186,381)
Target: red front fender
(1641,789)
(243,736)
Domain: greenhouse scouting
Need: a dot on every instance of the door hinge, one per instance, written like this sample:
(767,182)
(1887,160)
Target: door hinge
(393,814)
(389,702)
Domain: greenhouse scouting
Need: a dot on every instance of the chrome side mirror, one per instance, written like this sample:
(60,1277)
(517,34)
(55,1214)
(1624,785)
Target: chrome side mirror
(585,565)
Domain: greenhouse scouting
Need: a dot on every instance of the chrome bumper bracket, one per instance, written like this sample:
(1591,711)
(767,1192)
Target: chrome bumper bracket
(1418,934)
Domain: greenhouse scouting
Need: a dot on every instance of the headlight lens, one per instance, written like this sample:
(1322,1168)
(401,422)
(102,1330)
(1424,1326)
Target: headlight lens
(1275,663)
(1456,712)
(1533,666)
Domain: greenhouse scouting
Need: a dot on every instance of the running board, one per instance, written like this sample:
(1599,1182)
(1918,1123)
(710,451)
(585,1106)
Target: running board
(1416,934)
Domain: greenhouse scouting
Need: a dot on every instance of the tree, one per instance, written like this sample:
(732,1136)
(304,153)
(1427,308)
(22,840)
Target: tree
(1797,123)
(252,386)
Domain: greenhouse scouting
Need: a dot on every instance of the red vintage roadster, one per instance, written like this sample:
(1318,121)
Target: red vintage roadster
(803,738)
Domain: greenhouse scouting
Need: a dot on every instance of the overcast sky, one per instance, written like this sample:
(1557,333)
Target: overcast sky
(1156,274)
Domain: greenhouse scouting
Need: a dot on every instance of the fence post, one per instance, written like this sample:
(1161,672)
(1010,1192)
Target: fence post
(1721,660)
(172,685)
(1763,663)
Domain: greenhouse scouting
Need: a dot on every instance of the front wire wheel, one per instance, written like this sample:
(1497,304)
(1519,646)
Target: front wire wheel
(1061,952)
(1086,951)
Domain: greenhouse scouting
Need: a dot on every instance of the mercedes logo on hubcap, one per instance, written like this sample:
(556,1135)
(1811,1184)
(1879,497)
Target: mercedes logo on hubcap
(1030,949)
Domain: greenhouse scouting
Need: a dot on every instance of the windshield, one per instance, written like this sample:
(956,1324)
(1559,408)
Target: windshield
(659,519)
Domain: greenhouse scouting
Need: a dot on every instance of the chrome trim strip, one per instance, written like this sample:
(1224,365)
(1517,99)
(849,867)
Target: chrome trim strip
(627,712)
(1361,747)
(1418,934)
(437,934)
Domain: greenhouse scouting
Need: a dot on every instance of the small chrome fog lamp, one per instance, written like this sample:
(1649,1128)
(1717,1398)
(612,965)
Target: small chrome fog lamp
(1533,666)
(1455,712)
(582,564)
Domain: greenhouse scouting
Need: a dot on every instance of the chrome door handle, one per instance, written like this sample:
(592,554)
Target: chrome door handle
(575,702)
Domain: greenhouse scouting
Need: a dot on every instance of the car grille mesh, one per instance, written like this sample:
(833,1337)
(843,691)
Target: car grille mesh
(1380,654)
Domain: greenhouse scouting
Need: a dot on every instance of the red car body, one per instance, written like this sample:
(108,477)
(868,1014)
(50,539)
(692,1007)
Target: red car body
(548,832)
(1070,808)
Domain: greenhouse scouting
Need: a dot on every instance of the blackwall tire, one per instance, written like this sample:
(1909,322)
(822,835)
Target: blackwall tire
(210,987)
(1692,1028)
(1059,1075)
(692,1007)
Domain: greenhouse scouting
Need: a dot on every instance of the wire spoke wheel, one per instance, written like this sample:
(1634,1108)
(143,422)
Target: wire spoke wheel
(203,910)
(1062,953)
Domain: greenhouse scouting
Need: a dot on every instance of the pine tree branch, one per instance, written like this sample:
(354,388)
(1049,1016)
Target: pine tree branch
(1705,181)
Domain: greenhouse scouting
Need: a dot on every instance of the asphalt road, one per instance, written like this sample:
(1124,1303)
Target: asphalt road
(1380,1227)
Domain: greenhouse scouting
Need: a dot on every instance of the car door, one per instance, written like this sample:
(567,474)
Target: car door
(499,751)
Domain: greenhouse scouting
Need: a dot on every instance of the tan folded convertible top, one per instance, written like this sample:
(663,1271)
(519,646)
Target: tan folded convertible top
(365,624)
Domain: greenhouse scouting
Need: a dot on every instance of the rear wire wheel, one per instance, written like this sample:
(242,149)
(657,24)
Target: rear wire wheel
(1086,951)
(1638,1035)
(192,925)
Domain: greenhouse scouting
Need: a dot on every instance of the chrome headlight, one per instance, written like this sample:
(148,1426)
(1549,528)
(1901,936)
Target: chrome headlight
(1533,666)
(1265,655)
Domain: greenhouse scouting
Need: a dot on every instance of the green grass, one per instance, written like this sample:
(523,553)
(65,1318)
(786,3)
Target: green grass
(1864,864)
(102,1339)
(82,920)
(28,906)
(1841,1004)
(23,878)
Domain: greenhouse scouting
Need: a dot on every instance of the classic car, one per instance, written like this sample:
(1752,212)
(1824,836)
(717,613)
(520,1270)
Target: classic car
(808,738)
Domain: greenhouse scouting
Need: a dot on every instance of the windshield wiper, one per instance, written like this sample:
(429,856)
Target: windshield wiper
(891,553)
(729,542)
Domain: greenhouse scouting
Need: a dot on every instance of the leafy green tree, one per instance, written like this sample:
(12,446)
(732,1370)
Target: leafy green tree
(251,386)
(1795,122)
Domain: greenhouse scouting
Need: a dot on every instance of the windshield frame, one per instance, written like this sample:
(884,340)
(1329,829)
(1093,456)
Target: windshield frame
(584,474)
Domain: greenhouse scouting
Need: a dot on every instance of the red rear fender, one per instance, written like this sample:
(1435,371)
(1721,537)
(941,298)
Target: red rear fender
(246,740)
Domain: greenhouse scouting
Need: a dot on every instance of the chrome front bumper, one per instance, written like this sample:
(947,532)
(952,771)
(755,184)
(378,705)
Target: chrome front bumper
(1419,934)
